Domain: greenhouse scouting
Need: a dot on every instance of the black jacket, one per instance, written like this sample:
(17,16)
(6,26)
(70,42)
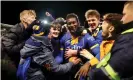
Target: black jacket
(14,40)
(121,56)
(122,53)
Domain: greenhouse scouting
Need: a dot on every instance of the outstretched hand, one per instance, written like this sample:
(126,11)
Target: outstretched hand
(83,71)
(47,14)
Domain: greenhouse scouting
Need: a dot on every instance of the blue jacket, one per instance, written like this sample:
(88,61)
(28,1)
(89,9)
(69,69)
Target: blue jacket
(97,34)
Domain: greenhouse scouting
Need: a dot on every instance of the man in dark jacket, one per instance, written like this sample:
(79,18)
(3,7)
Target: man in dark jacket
(14,40)
(119,63)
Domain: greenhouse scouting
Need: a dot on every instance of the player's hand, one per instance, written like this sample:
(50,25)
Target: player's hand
(70,53)
(83,71)
(48,14)
(74,60)
(86,54)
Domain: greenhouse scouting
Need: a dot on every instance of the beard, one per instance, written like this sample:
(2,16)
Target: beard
(105,36)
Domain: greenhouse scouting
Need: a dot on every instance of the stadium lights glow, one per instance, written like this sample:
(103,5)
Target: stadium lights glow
(45,21)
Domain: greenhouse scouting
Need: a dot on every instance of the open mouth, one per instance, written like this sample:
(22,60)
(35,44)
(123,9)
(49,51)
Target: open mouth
(56,34)
(92,25)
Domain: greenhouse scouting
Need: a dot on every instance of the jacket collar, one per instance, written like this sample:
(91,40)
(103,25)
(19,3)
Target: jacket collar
(124,27)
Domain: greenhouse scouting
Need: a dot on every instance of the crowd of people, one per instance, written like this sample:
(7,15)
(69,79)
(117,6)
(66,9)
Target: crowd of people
(66,50)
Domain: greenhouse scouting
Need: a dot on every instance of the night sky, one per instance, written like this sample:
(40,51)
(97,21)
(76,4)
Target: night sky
(10,9)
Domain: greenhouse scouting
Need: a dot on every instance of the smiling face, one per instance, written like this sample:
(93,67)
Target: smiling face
(92,18)
(55,30)
(93,22)
(72,24)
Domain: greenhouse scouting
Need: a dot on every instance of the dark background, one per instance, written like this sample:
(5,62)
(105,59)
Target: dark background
(10,9)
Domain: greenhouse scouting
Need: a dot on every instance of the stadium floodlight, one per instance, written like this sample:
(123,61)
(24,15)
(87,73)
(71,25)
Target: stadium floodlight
(45,21)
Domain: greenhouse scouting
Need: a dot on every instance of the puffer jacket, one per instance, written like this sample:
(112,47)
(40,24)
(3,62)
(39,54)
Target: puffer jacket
(40,49)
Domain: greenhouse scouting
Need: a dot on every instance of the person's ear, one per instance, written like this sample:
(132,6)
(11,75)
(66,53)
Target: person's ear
(111,28)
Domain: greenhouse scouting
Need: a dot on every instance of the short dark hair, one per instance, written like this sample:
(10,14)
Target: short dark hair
(113,18)
(72,15)
(61,20)
(55,24)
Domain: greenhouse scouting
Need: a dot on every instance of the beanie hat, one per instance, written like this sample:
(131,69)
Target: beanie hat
(38,30)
